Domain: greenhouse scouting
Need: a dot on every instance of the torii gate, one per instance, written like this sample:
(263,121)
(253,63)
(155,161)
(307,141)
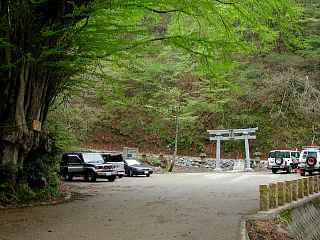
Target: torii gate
(233,134)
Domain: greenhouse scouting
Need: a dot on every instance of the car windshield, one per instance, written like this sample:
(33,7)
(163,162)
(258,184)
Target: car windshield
(282,154)
(312,154)
(92,158)
(272,155)
(112,158)
(279,154)
(295,154)
(131,162)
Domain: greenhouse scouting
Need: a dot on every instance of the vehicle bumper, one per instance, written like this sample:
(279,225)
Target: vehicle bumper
(308,168)
(120,173)
(106,174)
(143,172)
(278,167)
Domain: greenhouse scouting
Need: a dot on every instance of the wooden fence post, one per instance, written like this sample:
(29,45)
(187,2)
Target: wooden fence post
(281,193)
(288,188)
(294,190)
(314,184)
(305,186)
(300,188)
(264,197)
(311,184)
(273,195)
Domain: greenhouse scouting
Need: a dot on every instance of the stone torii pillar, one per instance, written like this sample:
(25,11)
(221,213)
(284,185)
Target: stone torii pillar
(218,156)
(247,166)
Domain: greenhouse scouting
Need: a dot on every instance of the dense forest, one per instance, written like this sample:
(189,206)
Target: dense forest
(272,86)
(108,74)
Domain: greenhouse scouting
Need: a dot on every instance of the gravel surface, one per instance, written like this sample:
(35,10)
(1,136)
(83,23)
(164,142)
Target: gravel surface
(184,206)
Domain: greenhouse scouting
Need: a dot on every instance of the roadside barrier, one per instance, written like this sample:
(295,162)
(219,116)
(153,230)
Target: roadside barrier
(280,193)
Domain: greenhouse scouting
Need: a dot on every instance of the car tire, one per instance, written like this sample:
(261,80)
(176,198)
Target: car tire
(310,173)
(311,161)
(111,178)
(148,175)
(90,176)
(274,171)
(302,173)
(120,176)
(68,177)
(279,161)
(289,169)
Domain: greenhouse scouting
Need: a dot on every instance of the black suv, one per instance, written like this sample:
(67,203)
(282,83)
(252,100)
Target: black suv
(90,165)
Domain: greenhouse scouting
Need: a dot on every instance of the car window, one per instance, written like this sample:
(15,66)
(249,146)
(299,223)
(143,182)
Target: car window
(131,162)
(92,158)
(112,158)
(304,154)
(74,160)
(295,154)
(282,154)
(312,154)
(272,155)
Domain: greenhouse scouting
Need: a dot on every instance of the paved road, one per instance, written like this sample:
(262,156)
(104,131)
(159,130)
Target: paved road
(197,206)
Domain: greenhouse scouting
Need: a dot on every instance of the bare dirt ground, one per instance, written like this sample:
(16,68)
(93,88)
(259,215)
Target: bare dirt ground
(180,206)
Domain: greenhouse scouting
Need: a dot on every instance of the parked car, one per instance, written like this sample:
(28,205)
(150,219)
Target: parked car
(116,159)
(309,160)
(89,165)
(134,167)
(285,160)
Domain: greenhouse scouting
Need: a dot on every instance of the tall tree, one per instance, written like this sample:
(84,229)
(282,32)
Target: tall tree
(34,38)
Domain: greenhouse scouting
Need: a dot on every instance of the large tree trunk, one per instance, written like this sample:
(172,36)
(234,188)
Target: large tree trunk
(29,78)
(28,97)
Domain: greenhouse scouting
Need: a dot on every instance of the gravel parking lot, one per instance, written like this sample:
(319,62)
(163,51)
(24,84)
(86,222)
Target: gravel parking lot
(198,206)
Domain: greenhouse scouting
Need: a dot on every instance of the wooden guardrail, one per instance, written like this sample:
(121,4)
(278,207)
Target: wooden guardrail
(280,193)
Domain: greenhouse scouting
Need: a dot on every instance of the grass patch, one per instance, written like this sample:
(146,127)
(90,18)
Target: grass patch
(286,216)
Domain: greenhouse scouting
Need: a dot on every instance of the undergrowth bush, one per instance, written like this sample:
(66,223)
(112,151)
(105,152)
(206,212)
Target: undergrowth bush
(36,180)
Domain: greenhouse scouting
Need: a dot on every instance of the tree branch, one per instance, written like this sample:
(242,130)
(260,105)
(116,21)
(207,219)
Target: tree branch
(222,2)
(162,11)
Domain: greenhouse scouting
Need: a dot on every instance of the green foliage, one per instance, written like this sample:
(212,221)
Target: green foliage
(153,60)
(7,173)
(286,216)
(37,180)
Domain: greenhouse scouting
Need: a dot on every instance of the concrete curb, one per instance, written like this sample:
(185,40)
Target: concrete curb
(243,230)
(272,213)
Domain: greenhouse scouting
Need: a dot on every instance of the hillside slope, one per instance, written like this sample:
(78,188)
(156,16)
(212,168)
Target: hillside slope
(277,92)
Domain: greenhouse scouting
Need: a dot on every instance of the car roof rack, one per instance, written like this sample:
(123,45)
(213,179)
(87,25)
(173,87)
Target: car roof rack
(311,147)
(284,150)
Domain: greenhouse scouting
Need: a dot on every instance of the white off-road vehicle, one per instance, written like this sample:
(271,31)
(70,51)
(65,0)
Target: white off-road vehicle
(309,160)
(284,160)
